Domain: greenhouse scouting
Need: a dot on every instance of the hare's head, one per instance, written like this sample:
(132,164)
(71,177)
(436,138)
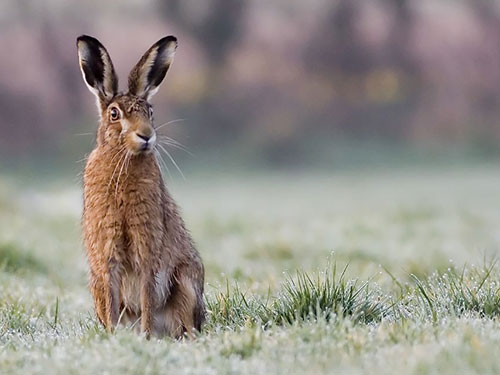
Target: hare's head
(126,117)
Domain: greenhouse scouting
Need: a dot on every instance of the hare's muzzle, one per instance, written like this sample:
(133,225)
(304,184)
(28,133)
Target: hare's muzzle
(144,142)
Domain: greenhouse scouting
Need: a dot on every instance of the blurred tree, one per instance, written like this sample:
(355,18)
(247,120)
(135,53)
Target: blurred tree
(337,57)
(401,61)
(376,86)
(275,75)
(338,46)
(215,27)
(63,67)
(401,35)
(19,113)
(486,94)
(37,108)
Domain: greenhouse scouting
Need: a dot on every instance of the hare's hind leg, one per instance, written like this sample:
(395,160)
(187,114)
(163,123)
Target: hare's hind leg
(200,310)
(105,290)
(178,315)
(98,294)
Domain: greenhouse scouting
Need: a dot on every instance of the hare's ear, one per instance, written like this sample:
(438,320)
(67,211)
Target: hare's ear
(145,79)
(97,69)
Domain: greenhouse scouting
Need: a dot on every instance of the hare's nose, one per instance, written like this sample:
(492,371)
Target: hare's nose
(144,137)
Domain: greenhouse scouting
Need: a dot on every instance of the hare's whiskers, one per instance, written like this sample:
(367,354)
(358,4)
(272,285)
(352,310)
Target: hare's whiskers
(119,152)
(127,155)
(82,160)
(172,160)
(126,167)
(169,123)
(122,155)
(171,139)
(163,164)
(166,143)
(172,142)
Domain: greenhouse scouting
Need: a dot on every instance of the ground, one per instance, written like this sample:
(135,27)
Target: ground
(379,271)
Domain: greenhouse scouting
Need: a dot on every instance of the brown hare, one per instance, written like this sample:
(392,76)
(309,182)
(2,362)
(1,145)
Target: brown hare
(143,265)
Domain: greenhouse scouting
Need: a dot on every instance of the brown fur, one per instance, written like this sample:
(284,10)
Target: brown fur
(143,264)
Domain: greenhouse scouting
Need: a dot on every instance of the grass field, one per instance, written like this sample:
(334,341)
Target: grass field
(356,272)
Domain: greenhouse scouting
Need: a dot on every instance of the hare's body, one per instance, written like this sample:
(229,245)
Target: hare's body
(143,265)
(132,227)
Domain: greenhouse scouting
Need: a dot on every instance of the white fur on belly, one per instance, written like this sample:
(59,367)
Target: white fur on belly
(131,290)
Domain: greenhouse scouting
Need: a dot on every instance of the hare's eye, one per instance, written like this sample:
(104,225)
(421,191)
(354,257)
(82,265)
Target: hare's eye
(114,114)
(150,112)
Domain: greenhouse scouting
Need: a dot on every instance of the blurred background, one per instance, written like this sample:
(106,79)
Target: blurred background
(360,132)
(258,84)
(323,134)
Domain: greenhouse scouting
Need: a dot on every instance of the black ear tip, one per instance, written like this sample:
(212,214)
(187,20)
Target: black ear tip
(167,40)
(87,39)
